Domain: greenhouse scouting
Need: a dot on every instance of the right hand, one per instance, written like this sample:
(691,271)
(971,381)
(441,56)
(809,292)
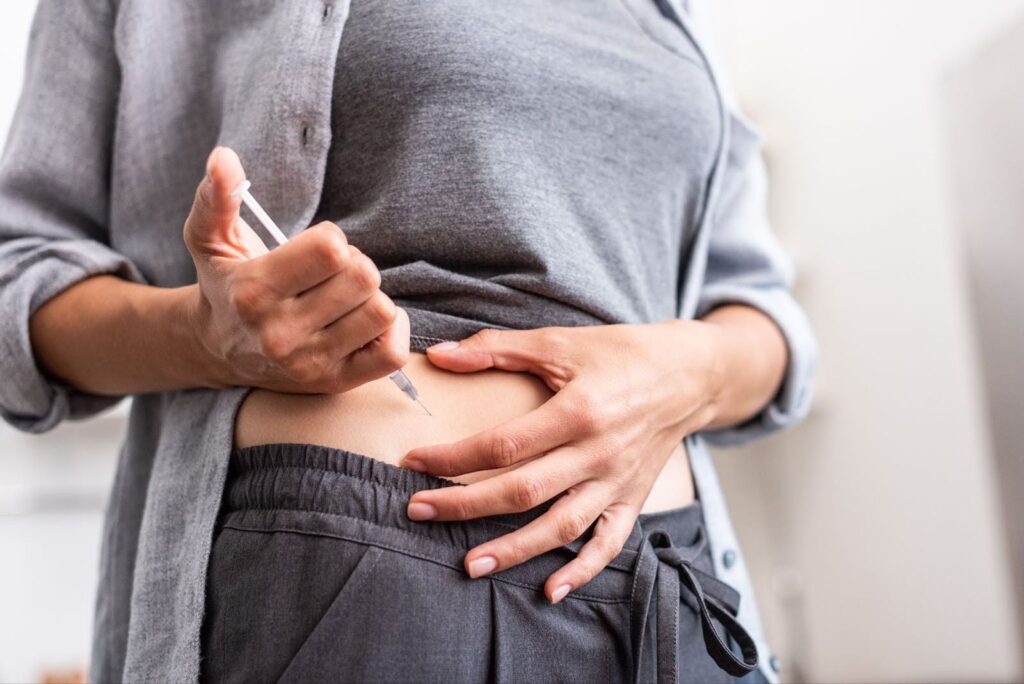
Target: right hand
(308,317)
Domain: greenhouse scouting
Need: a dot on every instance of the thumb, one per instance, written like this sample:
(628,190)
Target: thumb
(214,227)
(533,351)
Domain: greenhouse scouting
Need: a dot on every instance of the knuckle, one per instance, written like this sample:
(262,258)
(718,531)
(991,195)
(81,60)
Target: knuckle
(332,229)
(364,274)
(392,359)
(558,347)
(304,372)
(489,336)
(275,344)
(588,414)
(381,310)
(517,551)
(462,509)
(247,298)
(555,340)
(505,451)
(527,492)
(606,547)
(571,526)
(331,249)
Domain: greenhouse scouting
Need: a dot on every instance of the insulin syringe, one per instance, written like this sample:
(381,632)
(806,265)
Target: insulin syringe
(398,377)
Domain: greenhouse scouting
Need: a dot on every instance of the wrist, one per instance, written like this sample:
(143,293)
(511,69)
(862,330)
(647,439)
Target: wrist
(752,353)
(698,349)
(717,356)
(191,320)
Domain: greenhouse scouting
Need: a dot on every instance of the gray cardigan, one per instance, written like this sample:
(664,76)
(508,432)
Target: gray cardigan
(122,101)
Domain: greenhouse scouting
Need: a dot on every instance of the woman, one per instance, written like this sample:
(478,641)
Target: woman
(559,187)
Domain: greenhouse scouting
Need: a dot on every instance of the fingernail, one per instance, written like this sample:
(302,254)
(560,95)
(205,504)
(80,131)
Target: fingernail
(482,566)
(413,464)
(421,511)
(443,346)
(560,593)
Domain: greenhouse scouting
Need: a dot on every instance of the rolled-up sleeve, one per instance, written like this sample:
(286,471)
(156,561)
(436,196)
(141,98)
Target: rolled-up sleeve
(54,198)
(746,265)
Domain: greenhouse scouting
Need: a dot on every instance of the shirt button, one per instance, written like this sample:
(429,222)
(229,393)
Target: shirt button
(729,559)
(328,10)
(773,663)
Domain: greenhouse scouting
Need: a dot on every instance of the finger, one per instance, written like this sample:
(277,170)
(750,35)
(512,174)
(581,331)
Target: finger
(213,227)
(512,492)
(567,520)
(333,299)
(610,534)
(382,356)
(540,351)
(358,328)
(308,259)
(514,441)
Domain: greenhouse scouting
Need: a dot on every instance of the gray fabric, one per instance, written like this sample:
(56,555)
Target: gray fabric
(522,176)
(121,105)
(317,575)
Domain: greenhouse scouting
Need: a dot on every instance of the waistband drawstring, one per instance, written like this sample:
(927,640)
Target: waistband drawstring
(666,567)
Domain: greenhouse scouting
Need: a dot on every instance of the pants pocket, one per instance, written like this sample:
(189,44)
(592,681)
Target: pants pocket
(308,663)
(268,593)
(402,619)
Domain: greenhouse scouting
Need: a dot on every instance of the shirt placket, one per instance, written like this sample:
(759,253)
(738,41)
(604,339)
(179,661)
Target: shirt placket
(302,110)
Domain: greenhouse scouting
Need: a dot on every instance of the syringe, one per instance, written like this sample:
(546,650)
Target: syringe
(398,377)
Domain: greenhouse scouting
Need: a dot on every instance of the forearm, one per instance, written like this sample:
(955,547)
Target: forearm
(750,359)
(107,336)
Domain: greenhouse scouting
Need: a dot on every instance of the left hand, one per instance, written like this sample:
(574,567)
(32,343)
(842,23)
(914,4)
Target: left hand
(625,396)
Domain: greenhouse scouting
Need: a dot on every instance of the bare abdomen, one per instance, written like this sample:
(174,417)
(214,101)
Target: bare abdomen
(377,420)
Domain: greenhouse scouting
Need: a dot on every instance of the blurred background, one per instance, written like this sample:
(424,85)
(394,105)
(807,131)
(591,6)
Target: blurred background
(884,534)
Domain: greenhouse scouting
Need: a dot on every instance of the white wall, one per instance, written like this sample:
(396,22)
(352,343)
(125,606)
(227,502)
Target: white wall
(986,108)
(15,17)
(873,529)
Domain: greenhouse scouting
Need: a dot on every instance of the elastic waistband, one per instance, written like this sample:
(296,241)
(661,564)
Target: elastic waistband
(313,489)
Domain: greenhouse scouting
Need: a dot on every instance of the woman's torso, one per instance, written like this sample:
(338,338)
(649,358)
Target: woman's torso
(505,165)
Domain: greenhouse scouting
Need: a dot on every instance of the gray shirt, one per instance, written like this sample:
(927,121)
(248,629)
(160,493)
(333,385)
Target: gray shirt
(506,174)
(121,104)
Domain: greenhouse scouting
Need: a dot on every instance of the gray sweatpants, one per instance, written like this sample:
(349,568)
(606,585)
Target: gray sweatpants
(317,574)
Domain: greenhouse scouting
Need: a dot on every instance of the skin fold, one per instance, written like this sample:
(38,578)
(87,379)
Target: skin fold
(597,414)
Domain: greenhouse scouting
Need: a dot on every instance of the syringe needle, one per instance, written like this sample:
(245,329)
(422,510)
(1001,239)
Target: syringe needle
(424,407)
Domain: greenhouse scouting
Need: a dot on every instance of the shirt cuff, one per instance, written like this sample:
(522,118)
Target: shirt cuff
(33,271)
(793,400)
